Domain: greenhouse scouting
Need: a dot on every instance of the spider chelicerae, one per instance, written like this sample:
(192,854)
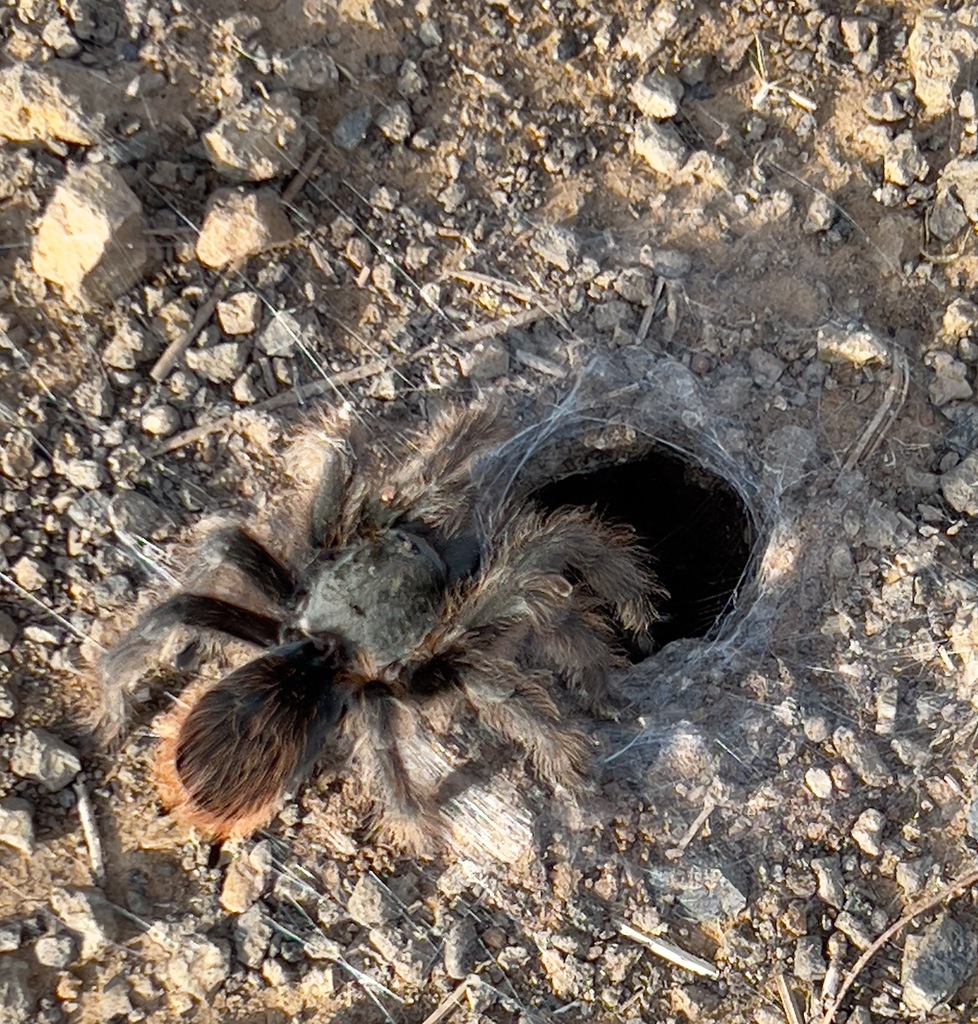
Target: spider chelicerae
(422,578)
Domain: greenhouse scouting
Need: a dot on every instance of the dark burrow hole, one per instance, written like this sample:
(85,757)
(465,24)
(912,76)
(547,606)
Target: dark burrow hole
(693,522)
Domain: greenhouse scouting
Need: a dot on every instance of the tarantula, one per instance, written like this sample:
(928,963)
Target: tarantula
(426,579)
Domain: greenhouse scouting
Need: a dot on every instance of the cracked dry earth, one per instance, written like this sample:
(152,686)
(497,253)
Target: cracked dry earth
(741,232)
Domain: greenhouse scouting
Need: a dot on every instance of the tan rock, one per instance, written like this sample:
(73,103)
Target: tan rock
(259,140)
(91,239)
(239,223)
(940,50)
(59,101)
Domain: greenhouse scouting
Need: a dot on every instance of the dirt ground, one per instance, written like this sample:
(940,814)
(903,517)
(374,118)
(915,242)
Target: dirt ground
(739,232)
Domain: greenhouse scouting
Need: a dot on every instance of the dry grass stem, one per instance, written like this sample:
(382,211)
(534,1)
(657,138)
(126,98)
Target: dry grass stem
(671,952)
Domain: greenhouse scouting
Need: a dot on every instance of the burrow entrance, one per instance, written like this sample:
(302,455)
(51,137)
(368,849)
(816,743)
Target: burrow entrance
(695,525)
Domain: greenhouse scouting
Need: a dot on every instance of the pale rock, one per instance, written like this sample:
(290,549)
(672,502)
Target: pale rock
(16,454)
(91,239)
(950,383)
(258,141)
(160,420)
(395,121)
(17,824)
(58,101)
(30,573)
(239,313)
(247,877)
(657,96)
(867,830)
(855,346)
(17,997)
(960,179)
(903,163)
(960,318)
(46,759)
(940,51)
(937,962)
(239,223)
(129,347)
(89,916)
(960,485)
(659,146)
(220,363)
(819,782)
(195,965)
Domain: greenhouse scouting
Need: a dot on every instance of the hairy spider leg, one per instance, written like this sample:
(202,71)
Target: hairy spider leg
(234,546)
(382,724)
(125,664)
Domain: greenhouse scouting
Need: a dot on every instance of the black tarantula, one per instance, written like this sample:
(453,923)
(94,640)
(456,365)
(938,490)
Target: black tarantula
(425,579)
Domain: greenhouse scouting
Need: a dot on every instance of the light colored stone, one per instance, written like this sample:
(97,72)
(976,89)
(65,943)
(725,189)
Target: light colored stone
(258,141)
(372,903)
(657,95)
(856,346)
(280,335)
(395,121)
(903,163)
(251,934)
(219,363)
(16,454)
(239,313)
(659,146)
(246,878)
(307,70)
(17,824)
(195,965)
(960,178)
(867,830)
(91,239)
(130,346)
(557,245)
(17,998)
(960,318)
(960,485)
(160,420)
(87,914)
(940,50)
(46,759)
(239,223)
(950,382)
(57,951)
(819,782)
(30,573)
(8,706)
(58,101)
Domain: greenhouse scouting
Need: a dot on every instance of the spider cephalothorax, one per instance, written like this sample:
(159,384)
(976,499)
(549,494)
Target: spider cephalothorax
(422,577)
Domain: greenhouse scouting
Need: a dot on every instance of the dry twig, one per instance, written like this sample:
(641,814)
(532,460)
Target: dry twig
(671,952)
(86,814)
(889,408)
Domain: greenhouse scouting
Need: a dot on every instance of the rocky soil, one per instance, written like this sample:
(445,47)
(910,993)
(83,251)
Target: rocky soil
(746,231)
